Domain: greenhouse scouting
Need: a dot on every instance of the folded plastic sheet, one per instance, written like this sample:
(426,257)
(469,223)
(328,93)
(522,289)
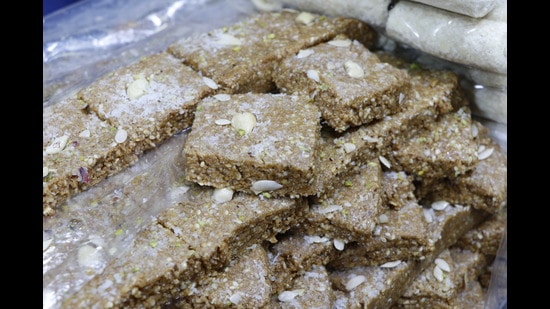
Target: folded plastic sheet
(92,38)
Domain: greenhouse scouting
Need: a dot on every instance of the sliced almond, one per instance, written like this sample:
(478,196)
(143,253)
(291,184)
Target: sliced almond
(391,264)
(244,123)
(304,53)
(339,244)
(440,205)
(384,161)
(305,18)
(137,88)
(222,195)
(210,83)
(314,75)
(485,153)
(222,97)
(340,43)
(227,39)
(57,145)
(349,147)
(355,281)
(354,69)
(222,122)
(265,185)
(441,263)
(438,273)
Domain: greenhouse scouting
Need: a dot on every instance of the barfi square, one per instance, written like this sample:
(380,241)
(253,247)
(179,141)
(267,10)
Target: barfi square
(149,100)
(241,57)
(349,84)
(79,150)
(254,143)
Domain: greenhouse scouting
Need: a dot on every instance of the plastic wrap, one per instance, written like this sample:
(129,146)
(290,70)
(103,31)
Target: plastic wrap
(91,38)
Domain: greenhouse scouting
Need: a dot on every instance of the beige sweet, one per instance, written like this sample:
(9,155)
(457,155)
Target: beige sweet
(352,211)
(192,239)
(439,284)
(251,47)
(348,83)
(312,289)
(294,253)
(438,149)
(484,188)
(147,101)
(379,286)
(79,150)
(402,234)
(243,283)
(432,93)
(255,143)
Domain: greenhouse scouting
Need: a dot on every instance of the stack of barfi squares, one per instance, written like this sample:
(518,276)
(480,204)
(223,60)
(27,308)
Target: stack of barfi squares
(324,173)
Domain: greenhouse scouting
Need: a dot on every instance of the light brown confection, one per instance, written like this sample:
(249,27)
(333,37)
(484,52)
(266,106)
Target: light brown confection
(251,47)
(486,237)
(485,187)
(255,143)
(348,83)
(312,289)
(294,253)
(352,211)
(194,238)
(432,93)
(401,234)
(244,283)
(278,162)
(372,286)
(442,148)
(79,150)
(219,231)
(147,101)
(380,286)
(439,284)
(127,282)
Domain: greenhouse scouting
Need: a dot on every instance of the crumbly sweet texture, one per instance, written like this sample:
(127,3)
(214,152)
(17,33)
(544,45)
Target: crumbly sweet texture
(194,238)
(373,286)
(432,93)
(79,150)
(349,228)
(147,101)
(312,289)
(243,283)
(486,237)
(402,235)
(438,287)
(294,253)
(484,188)
(351,212)
(279,145)
(348,83)
(219,231)
(375,290)
(127,281)
(442,148)
(252,47)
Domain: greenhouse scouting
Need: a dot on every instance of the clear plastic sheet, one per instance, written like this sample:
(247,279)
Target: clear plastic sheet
(91,38)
